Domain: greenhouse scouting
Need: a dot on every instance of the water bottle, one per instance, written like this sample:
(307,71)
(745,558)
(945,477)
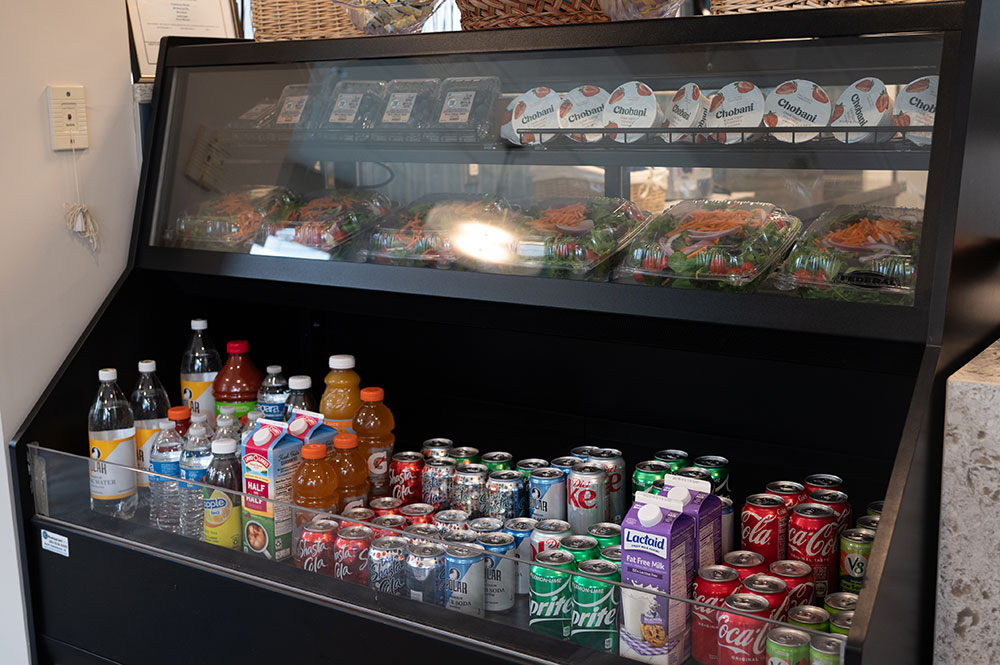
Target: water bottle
(164,510)
(111,432)
(195,457)
(199,366)
(252,418)
(300,397)
(273,394)
(202,419)
(227,428)
(150,404)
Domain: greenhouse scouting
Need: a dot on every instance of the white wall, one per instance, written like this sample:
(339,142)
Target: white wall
(50,282)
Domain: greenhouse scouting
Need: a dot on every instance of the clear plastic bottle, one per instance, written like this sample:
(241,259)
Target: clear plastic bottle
(373,423)
(273,394)
(300,396)
(111,432)
(352,472)
(252,418)
(199,367)
(202,419)
(223,519)
(228,428)
(164,510)
(150,404)
(195,457)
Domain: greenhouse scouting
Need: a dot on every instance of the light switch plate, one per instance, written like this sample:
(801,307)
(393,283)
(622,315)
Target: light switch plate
(68,117)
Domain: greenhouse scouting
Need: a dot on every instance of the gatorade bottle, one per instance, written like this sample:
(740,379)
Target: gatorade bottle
(238,381)
(199,366)
(149,403)
(352,472)
(223,523)
(314,486)
(111,430)
(373,424)
(341,399)
(300,396)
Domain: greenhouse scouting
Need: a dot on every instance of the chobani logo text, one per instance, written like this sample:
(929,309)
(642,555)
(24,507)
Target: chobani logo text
(923,106)
(723,113)
(681,112)
(856,102)
(628,110)
(597,110)
(525,119)
(796,110)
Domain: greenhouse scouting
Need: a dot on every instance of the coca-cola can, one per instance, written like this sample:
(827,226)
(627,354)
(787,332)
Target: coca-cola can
(468,489)
(712,585)
(547,535)
(822,481)
(742,640)
(764,526)
(793,493)
(388,525)
(812,538)
(356,517)
(451,520)
(418,513)
(405,473)
(840,504)
(614,466)
(351,554)
(437,448)
(798,577)
(586,496)
(773,590)
(435,482)
(387,565)
(745,562)
(385,505)
(317,546)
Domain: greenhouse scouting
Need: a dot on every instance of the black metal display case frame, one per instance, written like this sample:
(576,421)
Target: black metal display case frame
(476,327)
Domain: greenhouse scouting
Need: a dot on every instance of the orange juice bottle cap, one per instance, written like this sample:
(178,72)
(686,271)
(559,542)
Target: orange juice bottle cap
(345,440)
(314,451)
(372,394)
(179,412)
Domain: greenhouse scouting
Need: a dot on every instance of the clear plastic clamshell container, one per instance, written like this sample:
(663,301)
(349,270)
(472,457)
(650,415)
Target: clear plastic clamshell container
(710,243)
(257,116)
(464,112)
(292,112)
(231,222)
(857,253)
(350,109)
(409,105)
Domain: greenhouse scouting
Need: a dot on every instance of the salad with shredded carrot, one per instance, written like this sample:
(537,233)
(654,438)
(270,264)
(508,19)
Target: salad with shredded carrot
(231,222)
(329,221)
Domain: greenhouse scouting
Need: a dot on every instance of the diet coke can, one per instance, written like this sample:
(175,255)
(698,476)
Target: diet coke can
(798,577)
(586,496)
(405,472)
(838,502)
(547,535)
(547,494)
(614,465)
(812,538)
(387,565)
(351,554)
(383,525)
(385,505)
(745,562)
(418,513)
(765,526)
(773,590)
(712,585)
(435,482)
(468,489)
(822,481)
(742,640)
(793,493)
(317,546)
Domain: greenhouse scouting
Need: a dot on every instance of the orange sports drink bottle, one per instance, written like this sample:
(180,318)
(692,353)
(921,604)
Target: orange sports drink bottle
(342,398)
(352,472)
(373,423)
(315,486)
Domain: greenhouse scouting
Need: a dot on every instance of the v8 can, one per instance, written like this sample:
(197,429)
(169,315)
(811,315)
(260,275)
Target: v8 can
(551,606)
(465,579)
(504,495)
(586,496)
(425,572)
(387,565)
(351,554)
(855,549)
(595,606)
(842,601)
(810,617)
(826,649)
(614,466)
(436,482)
(468,489)
(547,494)
(787,646)
(501,574)
(405,473)
(520,528)
(840,623)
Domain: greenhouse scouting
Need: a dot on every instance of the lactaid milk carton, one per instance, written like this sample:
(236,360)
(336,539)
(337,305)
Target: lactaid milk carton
(706,509)
(657,553)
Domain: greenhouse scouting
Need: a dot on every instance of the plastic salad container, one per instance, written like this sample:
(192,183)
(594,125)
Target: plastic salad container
(259,115)
(420,234)
(464,110)
(389,17)
(710,243)
(409,106)
(292,112)
(231,222)
(330,220)
(857,253)
(350,109)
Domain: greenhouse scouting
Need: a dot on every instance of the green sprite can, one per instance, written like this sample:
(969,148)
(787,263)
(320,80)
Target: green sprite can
(551,593)
(875,507)
(612,553)
(810,617)
(497,461)
(787,646)
(855,550)
(719,468)
(583,548)
(605,533)
(868,522)
(465,455)
(595,607)
(842,601)
(826,649)
(526,466)
(674,459)
(840,624)
(646,473)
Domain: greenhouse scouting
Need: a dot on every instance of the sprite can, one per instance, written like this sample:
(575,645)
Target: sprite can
(875,507)
(840,623)
(826,649)
(595,607)
(465,455)
(855,550)
(551,606)
(810,617)
(612,553)
(497,461)
(787,646)
(718,467)
(646,473)
(605,533)
(583,548)
(674,459)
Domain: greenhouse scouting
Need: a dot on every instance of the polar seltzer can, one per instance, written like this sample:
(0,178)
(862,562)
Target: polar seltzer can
(425,573)
(564,463)
(606,533)
(504,495)
(826,649)
(551,606)
(595,606)
(718,467)
(437,448)
(582,452)
(614,465)
(468,489)
(501,571)
(586,496)
(855,549)
(520,528)
(436,482)
(497,461)
(547,494)
(674,459)
(465,579)
(547,535)
(787,646)
(387,565)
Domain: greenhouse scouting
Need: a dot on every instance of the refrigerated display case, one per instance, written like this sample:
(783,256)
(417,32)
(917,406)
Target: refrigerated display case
(373,196)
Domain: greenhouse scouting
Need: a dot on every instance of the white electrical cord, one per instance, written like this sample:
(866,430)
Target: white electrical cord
(78,217)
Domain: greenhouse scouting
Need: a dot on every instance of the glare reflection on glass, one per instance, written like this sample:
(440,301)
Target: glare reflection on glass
(482,241)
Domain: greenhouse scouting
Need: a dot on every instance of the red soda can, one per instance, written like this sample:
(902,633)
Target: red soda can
(383,524)
(742,640)
(417,513)
(351,554)
(745,562)
(793,493)
(812,538)
(405,471)
(317,546)
(712,585)
(385,505)
(765,526)
(840,504)
(798,577)
(773,590)
(822,481)
(356,517)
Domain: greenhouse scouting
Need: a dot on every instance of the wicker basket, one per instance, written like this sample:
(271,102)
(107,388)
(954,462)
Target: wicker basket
(750,6)
(488,14)
(282,20)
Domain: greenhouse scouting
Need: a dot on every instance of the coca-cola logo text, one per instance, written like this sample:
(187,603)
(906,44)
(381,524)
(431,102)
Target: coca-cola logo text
(705,613)
(818,543)
(757,529)
(743,636)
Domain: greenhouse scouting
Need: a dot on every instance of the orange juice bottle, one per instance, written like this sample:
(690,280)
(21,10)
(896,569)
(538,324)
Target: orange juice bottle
(341,398)
(352,472)
(314,486)
(373,424)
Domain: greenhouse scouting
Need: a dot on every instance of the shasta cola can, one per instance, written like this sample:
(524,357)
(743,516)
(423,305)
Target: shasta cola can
(387,565)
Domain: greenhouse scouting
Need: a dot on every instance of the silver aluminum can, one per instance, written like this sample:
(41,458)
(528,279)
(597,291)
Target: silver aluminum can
(437,448)
(612,553)
(504,495)
(421,533)
(436,482)
(565,462)
(586,496)
(468,489)
(387,565)
(614,465)
(547,535)
(451,520)
(382,524)
(521,528)
(728,529)
(466,537)
(582,452)
(465,579)
(425,573)
(501,574)
(547,494)
(483,525)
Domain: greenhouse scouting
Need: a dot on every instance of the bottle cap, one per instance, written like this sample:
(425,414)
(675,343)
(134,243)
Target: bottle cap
(342,361)
(274,369)
(147,366)
(345,440)
(649,515)
(197,430)
(227,410)
(238,346)
(199,324)
(179,413)
(166,424)
(300,382)
(223,446)
(679,494)
(199,418)
(314,451)
(254,416)
(107,374)
(224,421)
(372,394)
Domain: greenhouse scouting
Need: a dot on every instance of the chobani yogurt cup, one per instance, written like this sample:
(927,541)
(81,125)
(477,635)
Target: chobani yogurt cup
(688,108)
(632,105)
(739,104)
(536,109)
(581,108)
(797,103)
(865,103)
(915,105)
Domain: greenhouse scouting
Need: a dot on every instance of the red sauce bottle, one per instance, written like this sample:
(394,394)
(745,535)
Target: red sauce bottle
(238,381)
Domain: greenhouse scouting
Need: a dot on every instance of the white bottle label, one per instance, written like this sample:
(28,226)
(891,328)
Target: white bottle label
(196,392)
(107,481)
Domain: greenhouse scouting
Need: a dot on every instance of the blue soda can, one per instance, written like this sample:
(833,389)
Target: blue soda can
(425,572)
(521,528)
(501,574)
(564,463)
(582,452)
(547,494)
(465,579)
